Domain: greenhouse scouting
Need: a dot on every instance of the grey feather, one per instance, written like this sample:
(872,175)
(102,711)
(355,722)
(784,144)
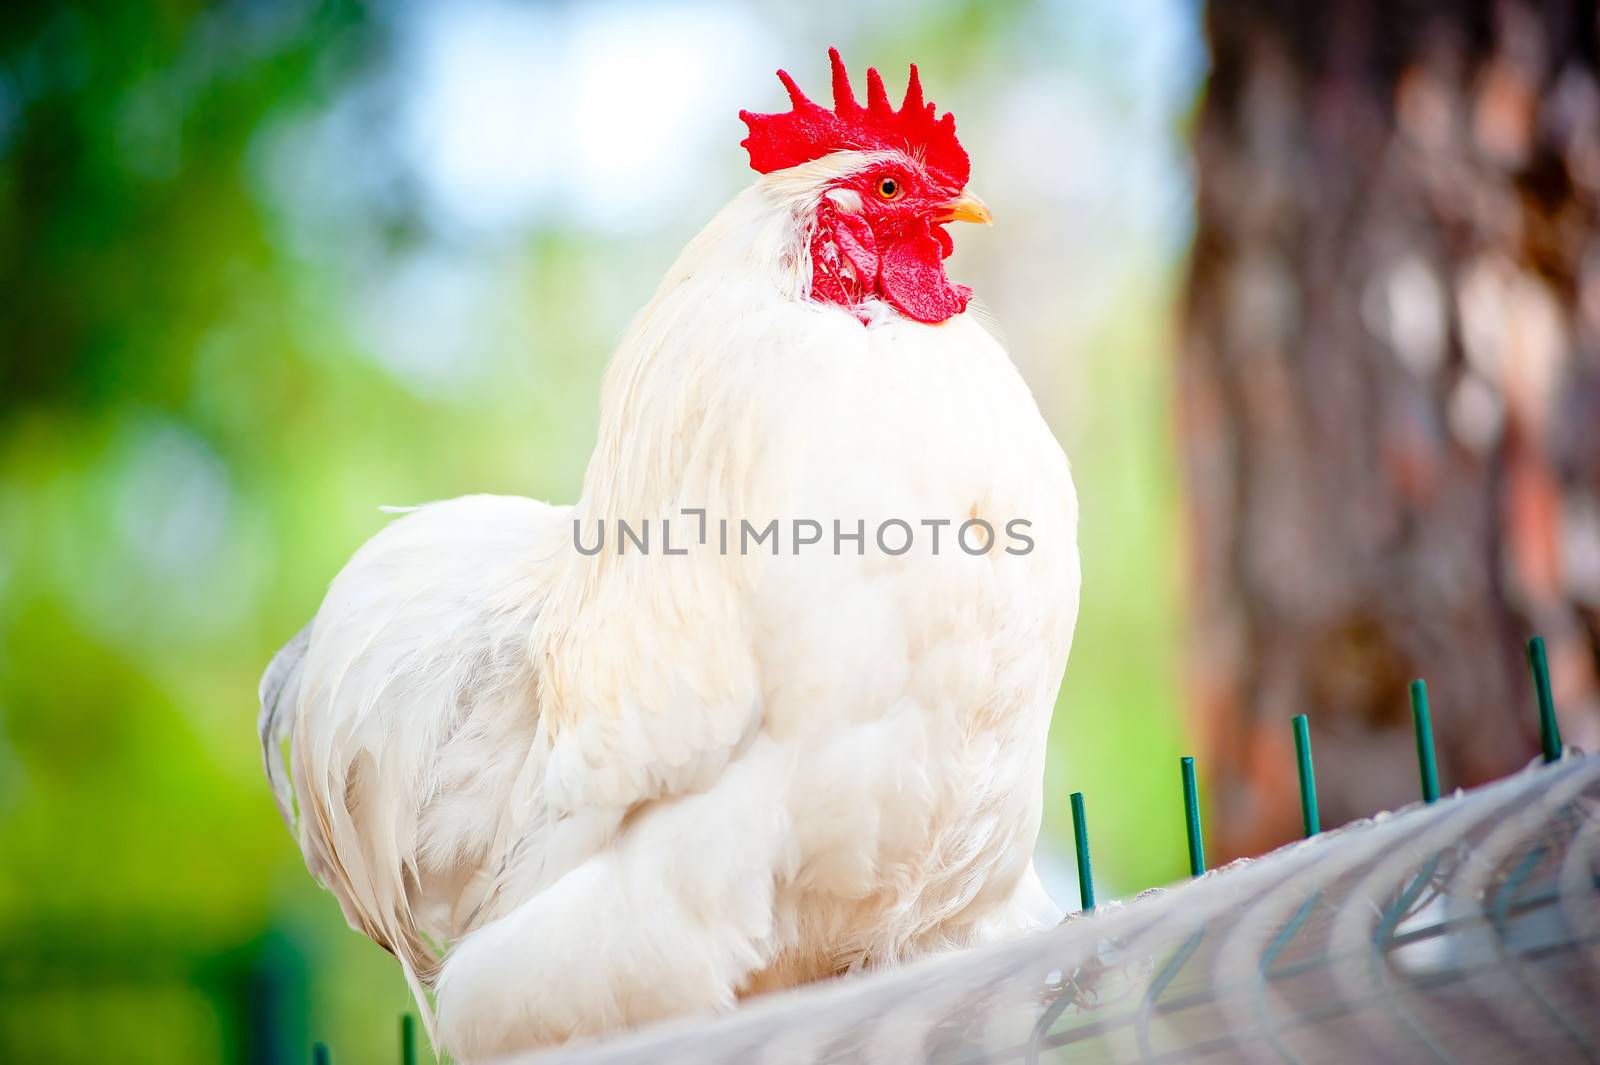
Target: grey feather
(280,687)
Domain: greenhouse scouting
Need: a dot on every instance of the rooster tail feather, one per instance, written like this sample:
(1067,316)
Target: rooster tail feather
(280,687)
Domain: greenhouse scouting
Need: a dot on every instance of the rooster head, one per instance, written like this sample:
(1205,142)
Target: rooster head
(879,228)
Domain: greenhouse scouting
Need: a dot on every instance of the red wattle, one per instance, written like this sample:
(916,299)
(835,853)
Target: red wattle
(911,276)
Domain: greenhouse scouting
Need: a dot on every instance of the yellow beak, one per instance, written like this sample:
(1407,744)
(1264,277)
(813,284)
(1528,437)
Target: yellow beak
(967,208)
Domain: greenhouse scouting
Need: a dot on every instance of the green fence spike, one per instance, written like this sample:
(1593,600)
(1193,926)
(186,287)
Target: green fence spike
(1191,812)
(1308,779)
(1549,730)
(1080,841)
(320,1055)
(408,1039)
(1424,726)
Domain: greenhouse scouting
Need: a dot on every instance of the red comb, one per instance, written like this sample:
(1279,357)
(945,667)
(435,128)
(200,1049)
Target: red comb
(810,131)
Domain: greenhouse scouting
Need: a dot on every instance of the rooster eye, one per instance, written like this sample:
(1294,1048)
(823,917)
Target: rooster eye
(889,188)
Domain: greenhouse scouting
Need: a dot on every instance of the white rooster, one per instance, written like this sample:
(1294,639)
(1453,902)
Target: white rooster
(574,790)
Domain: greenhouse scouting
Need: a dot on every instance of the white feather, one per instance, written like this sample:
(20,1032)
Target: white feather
(622,787)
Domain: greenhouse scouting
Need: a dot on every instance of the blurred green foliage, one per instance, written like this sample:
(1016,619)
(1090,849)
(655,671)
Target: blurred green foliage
(168,407)
(194,435)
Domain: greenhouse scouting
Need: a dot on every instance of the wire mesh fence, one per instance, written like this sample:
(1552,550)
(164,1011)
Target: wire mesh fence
(1466,930)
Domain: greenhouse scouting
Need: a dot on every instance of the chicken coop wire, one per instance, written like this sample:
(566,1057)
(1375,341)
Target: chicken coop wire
(1465,930)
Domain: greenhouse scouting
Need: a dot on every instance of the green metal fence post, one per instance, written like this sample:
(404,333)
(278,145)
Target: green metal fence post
(1424,725)
(1309,816)
(408,1039)
(1549,730)
(1080,842)
(1191,812)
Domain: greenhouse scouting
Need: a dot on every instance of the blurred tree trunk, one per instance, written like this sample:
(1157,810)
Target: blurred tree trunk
(1390,394)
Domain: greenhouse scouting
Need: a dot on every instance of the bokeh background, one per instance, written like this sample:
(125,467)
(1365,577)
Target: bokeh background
(267,266)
